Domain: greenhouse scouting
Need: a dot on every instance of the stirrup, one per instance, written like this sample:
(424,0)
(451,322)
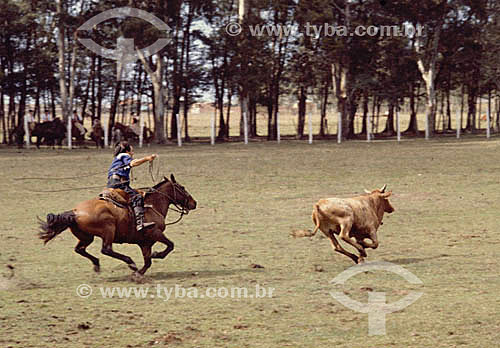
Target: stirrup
(145,226)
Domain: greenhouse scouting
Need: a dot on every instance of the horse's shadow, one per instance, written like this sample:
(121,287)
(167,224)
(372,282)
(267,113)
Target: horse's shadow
(185,275)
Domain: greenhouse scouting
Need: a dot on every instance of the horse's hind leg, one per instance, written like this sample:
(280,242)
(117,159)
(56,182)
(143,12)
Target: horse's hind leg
(80,249)
(107,249)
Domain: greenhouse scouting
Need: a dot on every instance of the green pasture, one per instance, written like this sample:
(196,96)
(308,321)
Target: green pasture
(445,230)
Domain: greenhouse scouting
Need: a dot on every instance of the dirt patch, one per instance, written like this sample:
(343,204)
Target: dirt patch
(6,284)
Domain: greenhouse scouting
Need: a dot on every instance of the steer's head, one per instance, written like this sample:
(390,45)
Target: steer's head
(383,198)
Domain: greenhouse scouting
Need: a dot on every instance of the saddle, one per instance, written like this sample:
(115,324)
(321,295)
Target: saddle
(116,196)
(120,198)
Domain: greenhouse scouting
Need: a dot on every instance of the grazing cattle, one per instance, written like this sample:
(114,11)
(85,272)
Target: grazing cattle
(352,219)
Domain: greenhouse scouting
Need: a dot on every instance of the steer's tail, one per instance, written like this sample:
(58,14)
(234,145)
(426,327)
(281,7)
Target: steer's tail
(315,219)
(56,223)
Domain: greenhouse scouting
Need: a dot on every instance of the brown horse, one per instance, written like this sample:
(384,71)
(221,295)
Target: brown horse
(75,133)
(97,135)
(129,135)
(112,224)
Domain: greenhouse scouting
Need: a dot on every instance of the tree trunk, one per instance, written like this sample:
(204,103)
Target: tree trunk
(448,108)
(114,105)
(99,90)
(253,112)
(228,114)
(177,77)
(2,116)
(339,76)
(92,88)
(53,103)
(488,119)
(462,100)
(243,86)
(429,75)
(37,103)
(140,92)
(60,50)
(497,103)
(413,126)
(324,105)
(471,107)
(389,125)
(353,107)
(270,113)
(364,128)
(302,112)
(156,77)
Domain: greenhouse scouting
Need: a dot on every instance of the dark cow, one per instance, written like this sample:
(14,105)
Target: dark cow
(17,136)
(352,219)
(51,132)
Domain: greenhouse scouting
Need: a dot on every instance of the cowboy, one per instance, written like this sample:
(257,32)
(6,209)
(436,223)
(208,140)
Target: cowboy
(135,126)
(77,122)
(46,117)
(31,120)
(119,177)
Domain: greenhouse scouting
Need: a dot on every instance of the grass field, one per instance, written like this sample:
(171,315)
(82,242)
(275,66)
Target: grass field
(445,231)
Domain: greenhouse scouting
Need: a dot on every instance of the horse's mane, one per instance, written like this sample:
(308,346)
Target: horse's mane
(165,179)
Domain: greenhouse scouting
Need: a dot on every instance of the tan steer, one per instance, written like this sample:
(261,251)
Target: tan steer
(353,219)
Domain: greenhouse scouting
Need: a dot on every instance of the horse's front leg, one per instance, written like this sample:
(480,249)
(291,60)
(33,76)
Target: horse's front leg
(146,253)
(160,237)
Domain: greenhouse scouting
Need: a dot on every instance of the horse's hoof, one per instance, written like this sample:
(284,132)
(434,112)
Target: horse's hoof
(138,277)
(133,267)
(97,268)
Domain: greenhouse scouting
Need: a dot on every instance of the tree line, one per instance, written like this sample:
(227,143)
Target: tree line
(44,64)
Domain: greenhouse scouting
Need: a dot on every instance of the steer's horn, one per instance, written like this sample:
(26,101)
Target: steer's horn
(383,188)
(366,191)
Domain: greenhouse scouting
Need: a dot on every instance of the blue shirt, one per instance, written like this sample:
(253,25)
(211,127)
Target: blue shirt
(121,166)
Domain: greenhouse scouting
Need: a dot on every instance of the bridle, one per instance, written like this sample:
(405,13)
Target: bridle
(181,209)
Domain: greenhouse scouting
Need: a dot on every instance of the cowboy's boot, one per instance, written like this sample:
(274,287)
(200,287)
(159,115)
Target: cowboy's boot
(139,219)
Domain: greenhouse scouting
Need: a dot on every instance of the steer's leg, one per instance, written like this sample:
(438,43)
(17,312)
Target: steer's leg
(373,243)
(344,235)
(338,248)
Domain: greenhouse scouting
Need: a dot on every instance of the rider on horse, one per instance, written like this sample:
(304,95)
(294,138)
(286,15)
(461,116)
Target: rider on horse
(119,177)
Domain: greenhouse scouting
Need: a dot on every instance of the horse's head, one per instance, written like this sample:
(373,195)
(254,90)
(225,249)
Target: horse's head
(177,194)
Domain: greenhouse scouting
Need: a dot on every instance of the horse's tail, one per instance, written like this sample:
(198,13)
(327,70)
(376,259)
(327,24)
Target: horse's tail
(56,223)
